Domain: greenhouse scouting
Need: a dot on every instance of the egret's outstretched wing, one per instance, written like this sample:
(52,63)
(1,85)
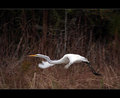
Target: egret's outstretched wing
(45,64)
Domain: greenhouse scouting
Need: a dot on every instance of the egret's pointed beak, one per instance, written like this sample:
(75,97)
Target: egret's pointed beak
(32,55)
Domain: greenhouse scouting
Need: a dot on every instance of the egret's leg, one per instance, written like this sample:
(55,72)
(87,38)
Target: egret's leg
(92,69)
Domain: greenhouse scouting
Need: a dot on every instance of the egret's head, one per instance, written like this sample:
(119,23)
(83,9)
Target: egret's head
(34,55)
(39,55)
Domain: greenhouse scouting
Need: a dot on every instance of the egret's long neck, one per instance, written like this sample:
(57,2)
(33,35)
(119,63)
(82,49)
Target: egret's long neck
(44,57)
(60,61)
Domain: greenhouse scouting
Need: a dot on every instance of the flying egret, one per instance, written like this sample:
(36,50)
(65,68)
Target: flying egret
(67,59)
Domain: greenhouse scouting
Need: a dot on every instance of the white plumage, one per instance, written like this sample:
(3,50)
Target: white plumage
(67,59)
(45,64)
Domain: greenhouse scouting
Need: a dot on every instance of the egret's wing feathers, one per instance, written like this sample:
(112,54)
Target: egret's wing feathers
(45,64)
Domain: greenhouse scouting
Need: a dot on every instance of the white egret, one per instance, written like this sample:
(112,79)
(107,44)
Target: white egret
(67,59)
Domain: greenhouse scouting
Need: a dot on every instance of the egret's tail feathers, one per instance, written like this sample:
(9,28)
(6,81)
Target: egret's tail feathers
(45,64)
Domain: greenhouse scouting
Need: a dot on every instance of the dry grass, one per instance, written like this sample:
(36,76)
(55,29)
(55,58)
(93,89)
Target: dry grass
(24,73)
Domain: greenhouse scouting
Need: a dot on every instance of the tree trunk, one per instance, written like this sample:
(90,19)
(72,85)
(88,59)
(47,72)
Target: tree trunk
(45,28)
(65,45)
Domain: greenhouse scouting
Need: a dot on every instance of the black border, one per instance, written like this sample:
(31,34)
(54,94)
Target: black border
(59,93)
(48,4)
(59,4)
